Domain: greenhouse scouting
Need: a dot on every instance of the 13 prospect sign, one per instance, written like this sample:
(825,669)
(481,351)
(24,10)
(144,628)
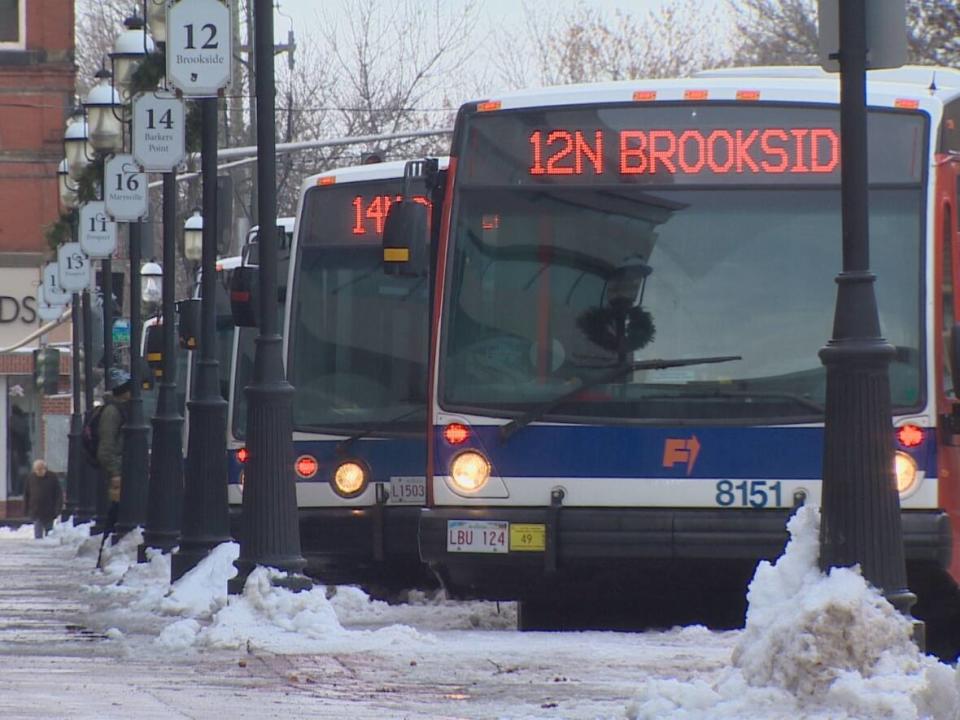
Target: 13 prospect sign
(199,52)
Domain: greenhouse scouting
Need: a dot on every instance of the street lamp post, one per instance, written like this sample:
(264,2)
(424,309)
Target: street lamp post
(166,459)
(91,475)
(131,46)
(206,521)
(68,197)
(105,121)
(270,532)
(860,507)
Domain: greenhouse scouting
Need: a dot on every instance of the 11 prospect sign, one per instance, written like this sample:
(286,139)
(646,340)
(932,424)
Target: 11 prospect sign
(159,143)
(98,233)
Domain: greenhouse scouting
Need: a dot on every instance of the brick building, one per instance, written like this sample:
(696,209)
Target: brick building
(37,76)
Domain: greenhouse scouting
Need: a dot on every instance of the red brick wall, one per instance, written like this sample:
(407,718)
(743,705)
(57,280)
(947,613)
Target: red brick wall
(36,91)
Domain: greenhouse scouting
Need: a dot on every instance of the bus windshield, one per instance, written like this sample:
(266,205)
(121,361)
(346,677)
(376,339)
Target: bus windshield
(584,239)
(358,337)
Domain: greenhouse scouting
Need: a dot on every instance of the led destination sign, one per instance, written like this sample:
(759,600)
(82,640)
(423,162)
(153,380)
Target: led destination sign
(349,213)
(721,151)
(682,144)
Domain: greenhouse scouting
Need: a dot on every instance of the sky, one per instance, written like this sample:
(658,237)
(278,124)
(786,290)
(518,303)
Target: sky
(815,647)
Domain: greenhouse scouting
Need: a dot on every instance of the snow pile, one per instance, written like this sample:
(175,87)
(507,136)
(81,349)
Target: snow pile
(13,533)
(815,646)
(66,533)
(196,612)
(432,609)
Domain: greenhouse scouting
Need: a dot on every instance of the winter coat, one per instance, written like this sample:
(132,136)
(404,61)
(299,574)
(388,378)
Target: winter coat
(110,430)
(43,496)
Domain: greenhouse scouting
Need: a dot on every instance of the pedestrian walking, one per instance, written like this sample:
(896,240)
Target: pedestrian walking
(42,498)
(110,431)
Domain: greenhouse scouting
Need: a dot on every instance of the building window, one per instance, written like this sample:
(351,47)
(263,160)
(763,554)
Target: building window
(13,25)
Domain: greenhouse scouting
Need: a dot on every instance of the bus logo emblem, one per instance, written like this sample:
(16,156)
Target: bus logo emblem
(681,450)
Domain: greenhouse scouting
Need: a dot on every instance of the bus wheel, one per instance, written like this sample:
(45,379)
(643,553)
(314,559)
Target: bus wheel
(542,614)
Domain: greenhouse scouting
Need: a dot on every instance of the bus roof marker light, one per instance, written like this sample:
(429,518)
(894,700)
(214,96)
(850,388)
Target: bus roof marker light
(327,180)
(906,103)
(695,94)
(489,106)
(748,94)
(644,95)
(456,433)
(909,435)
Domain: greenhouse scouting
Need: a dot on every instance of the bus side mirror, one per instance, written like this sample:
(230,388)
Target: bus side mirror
(188,323)
(153,350)
(406,239)
(955,358)
(245,296)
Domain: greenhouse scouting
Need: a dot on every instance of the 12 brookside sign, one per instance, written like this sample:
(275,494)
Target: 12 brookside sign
(199,46)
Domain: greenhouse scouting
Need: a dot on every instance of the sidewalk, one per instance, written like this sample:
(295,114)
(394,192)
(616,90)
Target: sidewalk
(52,666)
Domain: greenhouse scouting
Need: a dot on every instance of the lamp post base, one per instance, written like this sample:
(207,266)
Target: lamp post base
(270,533)
(74,468)
(206,515)
(162,530)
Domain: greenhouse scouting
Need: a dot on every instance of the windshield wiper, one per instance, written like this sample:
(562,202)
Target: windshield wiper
(540,410)
(745,394)
(375,427)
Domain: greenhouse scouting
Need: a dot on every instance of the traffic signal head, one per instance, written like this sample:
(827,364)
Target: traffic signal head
(46,370)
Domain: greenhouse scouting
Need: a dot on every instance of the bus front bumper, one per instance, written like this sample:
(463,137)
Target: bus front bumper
(363,545)
(583,542)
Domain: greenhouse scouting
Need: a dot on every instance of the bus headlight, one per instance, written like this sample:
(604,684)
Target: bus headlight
(350,479)
(470,471)
(906,471)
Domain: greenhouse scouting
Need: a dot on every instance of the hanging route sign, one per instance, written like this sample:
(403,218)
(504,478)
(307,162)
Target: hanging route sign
(52,292)
(199,46)
(159,131)
(125,192)
(98,233)
(74,267)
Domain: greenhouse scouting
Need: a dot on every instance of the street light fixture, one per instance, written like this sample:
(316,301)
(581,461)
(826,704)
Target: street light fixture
(68,192)
(76,146)
(156,14)
(131,47)
(104,119)
(193,237)
(152,275)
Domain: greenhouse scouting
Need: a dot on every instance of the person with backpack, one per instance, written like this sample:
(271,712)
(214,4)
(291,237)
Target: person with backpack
(109,440)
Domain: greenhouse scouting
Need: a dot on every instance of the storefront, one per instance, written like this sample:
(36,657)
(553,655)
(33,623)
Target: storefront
(35,425)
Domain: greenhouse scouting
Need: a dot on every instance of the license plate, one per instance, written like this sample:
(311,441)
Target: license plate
(528,537)
(477,536)
(407,491)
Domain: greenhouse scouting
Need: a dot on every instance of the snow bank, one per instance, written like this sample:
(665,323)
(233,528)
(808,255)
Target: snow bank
(815,645)
(195,612)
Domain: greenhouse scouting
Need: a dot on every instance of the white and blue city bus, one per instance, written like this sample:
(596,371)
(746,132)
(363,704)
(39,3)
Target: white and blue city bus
(634,281)
(356,342)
